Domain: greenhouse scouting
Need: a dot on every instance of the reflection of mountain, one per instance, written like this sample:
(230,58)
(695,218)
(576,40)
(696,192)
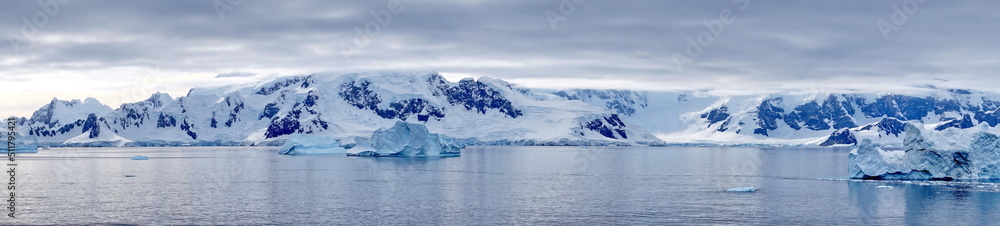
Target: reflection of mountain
(492,111)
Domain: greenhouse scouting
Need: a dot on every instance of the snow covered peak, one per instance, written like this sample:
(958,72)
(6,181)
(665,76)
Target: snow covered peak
(156,100)
(486,110)
(158,96)
(61,111)
(381,77)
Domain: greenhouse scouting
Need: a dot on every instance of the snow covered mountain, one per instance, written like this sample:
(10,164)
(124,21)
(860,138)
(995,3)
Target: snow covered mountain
(795,119)
(485,111)
(494,112)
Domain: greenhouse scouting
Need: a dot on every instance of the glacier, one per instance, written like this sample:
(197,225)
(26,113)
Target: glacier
(488,111)
(299,144)
(948,154)
(24,144)
(407,139)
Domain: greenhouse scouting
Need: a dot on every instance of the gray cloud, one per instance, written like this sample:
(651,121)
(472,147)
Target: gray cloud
(769,46)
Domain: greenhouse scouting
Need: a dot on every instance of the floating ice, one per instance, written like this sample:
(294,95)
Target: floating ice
(300,144)
(140,157)
(930,155)
(884,187)
(407,139)
(742,189)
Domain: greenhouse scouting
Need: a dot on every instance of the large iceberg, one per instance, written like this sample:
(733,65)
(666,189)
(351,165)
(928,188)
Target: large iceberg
(301,144)
(407,139)
(930,155)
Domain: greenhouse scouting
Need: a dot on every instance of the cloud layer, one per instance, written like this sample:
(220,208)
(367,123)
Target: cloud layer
(104,48)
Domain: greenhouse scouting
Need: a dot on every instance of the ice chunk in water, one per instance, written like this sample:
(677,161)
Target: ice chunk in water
(300,144)
(407,139)
(742,189)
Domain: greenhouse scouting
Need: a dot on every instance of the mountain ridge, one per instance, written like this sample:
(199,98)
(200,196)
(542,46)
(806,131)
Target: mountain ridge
(494,112)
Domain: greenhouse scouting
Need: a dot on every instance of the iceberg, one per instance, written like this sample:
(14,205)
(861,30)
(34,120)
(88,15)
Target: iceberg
(742,189)
(300,144)
(407,139)
(140,157)
(930,155)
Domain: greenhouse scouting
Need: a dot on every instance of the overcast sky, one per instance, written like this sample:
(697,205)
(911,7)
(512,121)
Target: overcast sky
(123,51)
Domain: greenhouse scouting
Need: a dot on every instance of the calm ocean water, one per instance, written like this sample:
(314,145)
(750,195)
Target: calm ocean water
(486,185)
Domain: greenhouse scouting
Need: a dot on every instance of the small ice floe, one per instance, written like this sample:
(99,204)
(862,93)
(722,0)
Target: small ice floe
(129,175)
(742,189)
(883,187)
(140,157)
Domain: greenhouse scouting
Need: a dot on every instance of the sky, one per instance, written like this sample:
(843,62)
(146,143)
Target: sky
(123,51)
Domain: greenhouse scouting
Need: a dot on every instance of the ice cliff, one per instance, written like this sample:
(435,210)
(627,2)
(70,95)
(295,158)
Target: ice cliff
(930,155)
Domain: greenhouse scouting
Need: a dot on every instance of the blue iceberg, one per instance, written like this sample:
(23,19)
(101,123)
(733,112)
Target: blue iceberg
(407,139)
(949,154)
(301,144)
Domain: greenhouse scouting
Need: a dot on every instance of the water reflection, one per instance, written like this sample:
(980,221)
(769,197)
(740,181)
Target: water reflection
(486,185)
(946,203)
